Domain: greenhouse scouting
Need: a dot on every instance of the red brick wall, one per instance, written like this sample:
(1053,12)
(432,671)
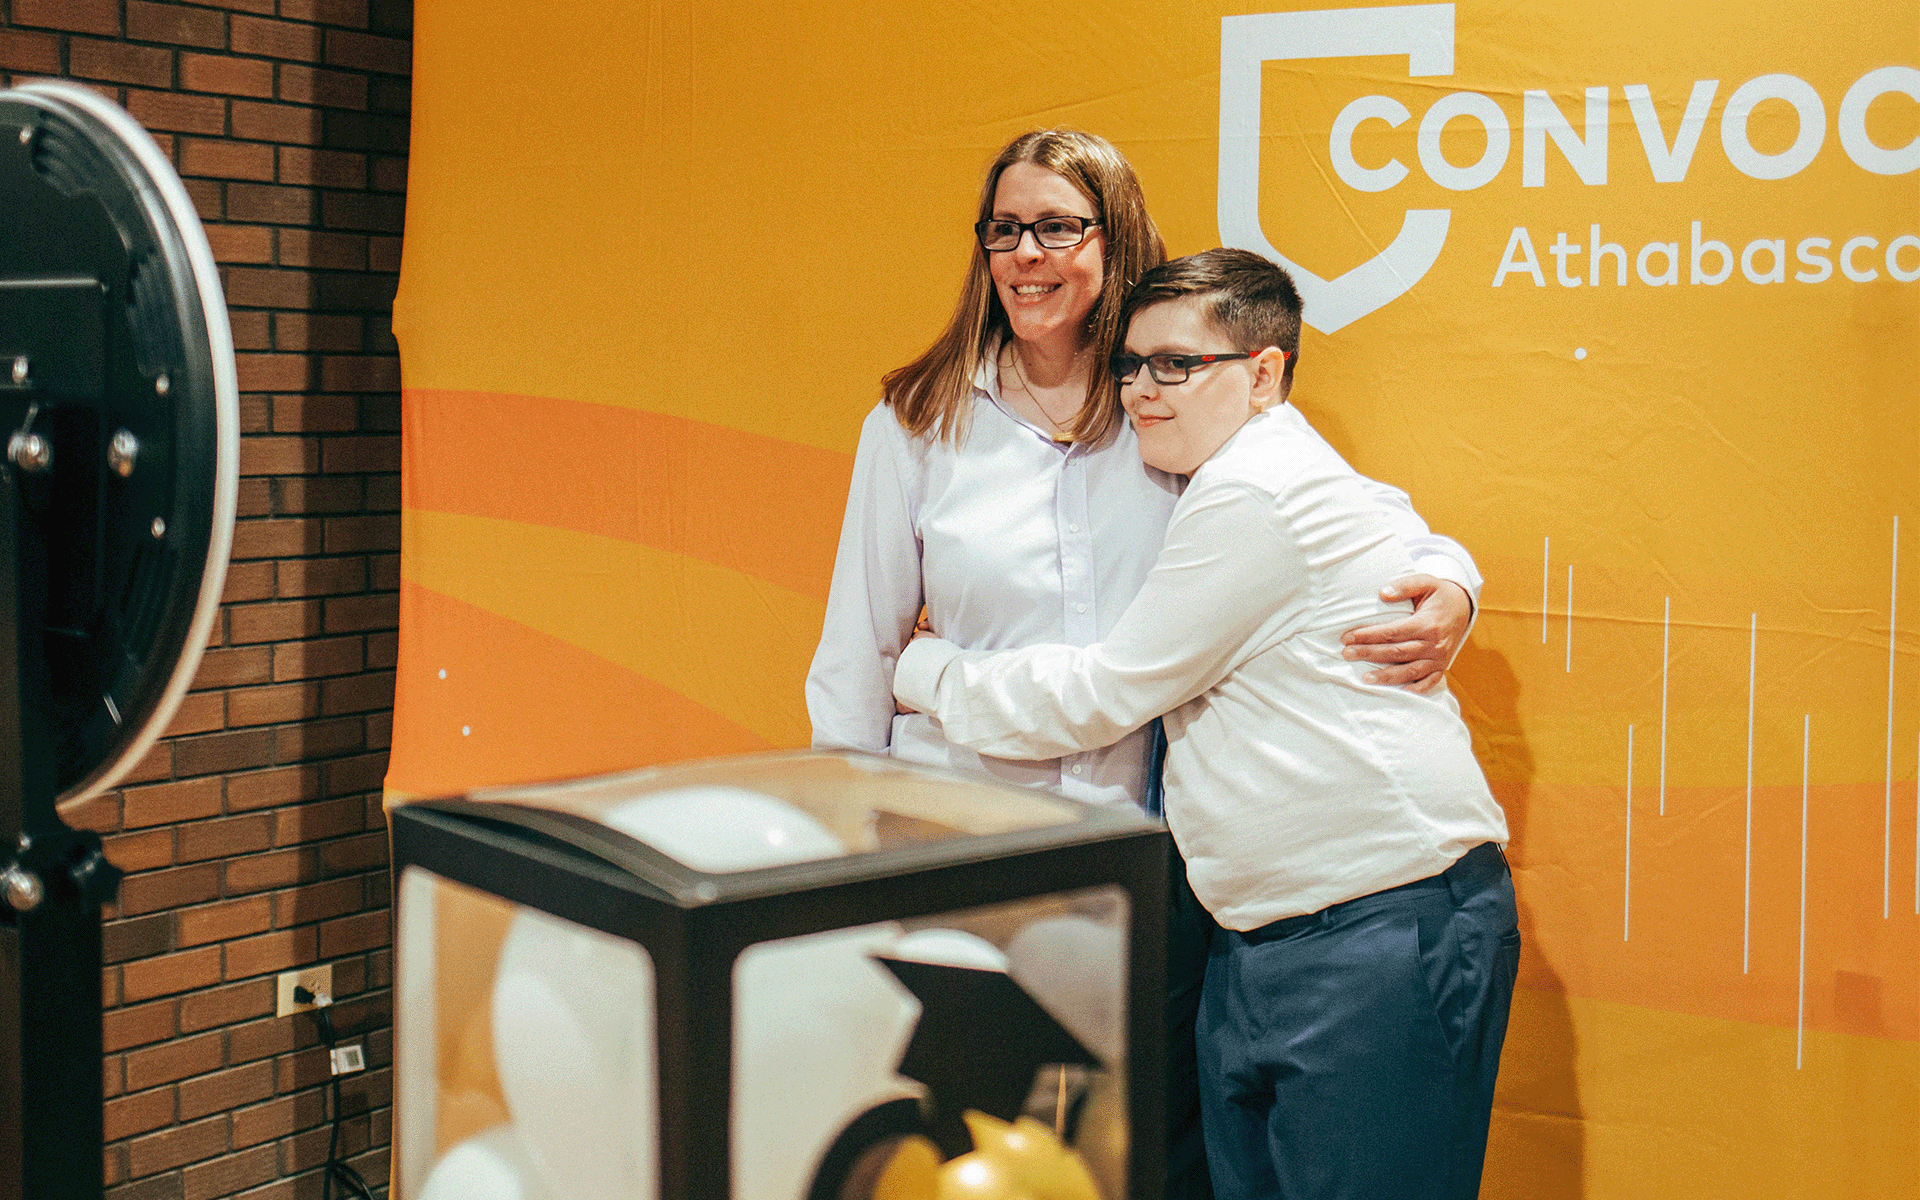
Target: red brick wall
(252,837)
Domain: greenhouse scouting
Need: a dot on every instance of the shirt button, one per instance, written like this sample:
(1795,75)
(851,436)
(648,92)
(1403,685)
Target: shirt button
(1073,528)
(1077,768)
(1080,608)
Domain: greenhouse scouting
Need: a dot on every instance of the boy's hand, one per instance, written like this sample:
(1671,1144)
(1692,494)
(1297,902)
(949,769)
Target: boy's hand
(1415,649)
(923,628)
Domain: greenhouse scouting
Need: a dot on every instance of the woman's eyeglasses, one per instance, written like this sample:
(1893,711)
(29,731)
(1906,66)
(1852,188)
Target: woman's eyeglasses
(1053,233)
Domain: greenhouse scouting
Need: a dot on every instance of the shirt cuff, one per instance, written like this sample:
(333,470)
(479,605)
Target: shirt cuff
(916,677)
(1444,566)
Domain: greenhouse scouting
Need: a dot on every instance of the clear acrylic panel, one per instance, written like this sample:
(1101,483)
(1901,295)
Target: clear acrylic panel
(525,1053)
(927,1057)
(744,813)
(869,1062)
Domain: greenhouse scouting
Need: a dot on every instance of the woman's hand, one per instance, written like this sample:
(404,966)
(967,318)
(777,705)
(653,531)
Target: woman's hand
(1416,649)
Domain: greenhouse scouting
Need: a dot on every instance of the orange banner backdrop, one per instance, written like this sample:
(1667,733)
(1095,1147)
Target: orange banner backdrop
(1627,297)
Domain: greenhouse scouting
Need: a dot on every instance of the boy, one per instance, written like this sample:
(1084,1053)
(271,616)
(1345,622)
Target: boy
(1340,832)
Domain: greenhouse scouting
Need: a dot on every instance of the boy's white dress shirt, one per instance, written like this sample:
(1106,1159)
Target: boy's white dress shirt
(1291,785)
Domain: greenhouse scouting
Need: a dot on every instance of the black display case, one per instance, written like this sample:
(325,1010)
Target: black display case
(778,977)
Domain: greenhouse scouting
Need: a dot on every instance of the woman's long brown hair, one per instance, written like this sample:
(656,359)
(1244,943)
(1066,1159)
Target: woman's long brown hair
(930,394)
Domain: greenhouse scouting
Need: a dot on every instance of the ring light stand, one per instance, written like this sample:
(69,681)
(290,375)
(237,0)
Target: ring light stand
(119,417)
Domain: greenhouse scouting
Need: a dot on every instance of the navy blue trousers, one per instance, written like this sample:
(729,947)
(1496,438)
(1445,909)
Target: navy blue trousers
(1190,933)
(1350,1054)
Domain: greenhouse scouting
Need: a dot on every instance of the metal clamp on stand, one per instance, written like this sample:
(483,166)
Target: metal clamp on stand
(21,888)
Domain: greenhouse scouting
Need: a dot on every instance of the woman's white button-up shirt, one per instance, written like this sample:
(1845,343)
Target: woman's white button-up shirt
(1009,539)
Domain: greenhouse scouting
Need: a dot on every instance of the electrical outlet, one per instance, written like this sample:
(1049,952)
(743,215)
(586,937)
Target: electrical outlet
(349,1058)
(315,979)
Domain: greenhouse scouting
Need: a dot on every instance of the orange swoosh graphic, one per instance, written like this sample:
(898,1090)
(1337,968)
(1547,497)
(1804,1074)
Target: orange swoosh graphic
(755,504)
(1680,945)
(533,706)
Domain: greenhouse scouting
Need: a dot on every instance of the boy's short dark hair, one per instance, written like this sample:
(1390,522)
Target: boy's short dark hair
(1250,298)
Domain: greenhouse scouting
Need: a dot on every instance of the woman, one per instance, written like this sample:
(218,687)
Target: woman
(998,484)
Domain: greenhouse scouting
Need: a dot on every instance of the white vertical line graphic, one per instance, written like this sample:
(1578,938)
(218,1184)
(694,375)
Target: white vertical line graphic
(1546,560)
(1666,649)
(1569,618)
(1746,895)
(1626,891)
(1893,609)
(1800,1021)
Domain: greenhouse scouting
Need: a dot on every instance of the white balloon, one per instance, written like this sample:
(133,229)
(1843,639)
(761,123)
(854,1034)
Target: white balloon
(1075,967)
(487,1166)
(573,1042)
(724,828)
(950,947)
(819,1029)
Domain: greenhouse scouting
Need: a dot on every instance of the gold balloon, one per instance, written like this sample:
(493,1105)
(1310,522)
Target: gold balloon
(1018,1161)
(977,1176)
(912,1172)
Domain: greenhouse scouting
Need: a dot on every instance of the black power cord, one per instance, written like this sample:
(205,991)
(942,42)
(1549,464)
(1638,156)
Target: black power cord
(350,1180)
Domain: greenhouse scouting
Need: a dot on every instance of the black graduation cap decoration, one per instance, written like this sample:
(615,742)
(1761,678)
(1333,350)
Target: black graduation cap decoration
(979,1041)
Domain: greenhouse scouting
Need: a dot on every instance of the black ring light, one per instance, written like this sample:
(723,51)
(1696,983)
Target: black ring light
(119,472)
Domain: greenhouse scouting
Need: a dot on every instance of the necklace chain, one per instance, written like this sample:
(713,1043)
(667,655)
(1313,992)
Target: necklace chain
(1060,432)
